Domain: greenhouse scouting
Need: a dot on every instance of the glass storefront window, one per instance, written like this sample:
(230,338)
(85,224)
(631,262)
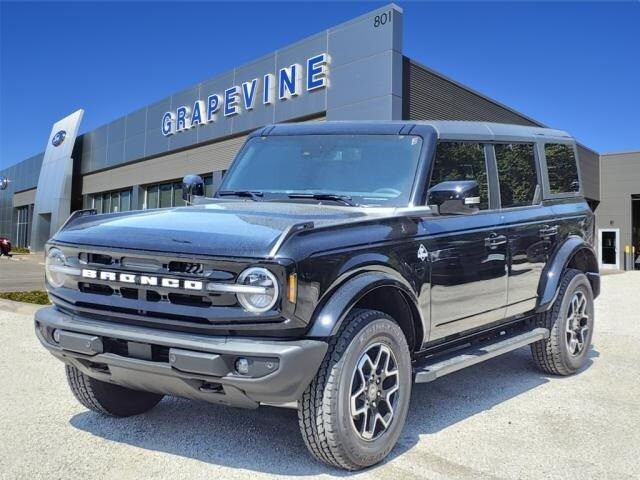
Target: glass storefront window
(115,202)
(165,195)
(23,226)
(208,186)
(152,197)
(125,200)
(97,203)
(169,194)
(109,202)
(106,203)
(177,195)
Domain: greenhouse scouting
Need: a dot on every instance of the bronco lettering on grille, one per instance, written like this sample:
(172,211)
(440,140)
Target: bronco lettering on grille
(135,279)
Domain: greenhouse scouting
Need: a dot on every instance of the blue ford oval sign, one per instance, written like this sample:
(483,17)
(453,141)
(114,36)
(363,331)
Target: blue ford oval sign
(58,138)
(4,183)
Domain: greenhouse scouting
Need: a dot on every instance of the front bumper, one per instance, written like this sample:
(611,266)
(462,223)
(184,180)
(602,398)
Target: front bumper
(188,365)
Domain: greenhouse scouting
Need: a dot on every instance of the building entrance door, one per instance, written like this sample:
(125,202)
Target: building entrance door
(609,246)
(635,230)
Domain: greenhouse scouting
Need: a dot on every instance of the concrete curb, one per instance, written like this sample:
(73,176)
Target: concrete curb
(19,307)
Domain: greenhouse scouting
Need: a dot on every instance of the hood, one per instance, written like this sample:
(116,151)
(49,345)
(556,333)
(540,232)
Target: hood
(230,229)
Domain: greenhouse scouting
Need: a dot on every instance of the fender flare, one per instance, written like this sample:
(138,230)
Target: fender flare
(552,273)
(327,320)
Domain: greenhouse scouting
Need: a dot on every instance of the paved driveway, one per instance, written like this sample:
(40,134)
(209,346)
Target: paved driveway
(501,419)
(22,273)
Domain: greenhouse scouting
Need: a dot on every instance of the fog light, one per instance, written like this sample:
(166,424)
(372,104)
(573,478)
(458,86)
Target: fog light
(56,335)
(242,366)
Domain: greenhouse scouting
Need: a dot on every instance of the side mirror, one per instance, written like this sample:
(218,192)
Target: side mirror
(455,197)
(192,186)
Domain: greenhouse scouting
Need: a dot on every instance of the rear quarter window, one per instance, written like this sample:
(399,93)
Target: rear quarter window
(517,174)
(561,168)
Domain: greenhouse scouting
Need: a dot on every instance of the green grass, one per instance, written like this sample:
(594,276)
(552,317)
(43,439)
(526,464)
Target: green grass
(39,297)
(20,250)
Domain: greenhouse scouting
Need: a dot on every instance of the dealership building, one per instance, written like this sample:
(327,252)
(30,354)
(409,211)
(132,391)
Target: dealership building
(354,71)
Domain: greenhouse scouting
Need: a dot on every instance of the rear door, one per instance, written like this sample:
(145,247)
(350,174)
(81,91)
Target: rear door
(530,225)
(468,252)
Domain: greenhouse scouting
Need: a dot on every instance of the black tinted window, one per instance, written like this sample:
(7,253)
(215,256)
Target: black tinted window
(517,174)
(561,165)
(461,161)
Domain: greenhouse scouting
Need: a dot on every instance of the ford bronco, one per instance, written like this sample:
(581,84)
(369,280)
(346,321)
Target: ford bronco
(336,265)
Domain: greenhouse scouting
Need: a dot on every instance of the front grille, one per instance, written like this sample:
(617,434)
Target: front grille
(186,267)
(153,296)
(96,258)
(127,296)
(95,288)
(205,300)
(110,309)
(160,267)
(129,293)
(189,300)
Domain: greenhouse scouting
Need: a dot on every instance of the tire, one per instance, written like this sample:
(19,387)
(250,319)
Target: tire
(107,398)
(330,432)
(558,355)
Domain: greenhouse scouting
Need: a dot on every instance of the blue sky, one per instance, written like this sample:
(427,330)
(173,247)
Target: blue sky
(569,65)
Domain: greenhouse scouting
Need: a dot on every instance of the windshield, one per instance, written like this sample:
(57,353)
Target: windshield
(370,170)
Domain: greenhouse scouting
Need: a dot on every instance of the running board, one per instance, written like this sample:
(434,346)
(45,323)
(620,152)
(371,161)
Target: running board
(476,354)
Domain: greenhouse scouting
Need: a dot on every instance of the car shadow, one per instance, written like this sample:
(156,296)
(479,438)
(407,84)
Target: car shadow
(268,440)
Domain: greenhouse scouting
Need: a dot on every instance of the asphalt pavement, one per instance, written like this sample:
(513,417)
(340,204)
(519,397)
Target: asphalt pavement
(22,273)
(501,419)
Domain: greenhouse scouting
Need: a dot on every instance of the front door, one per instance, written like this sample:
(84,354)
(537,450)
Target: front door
(468,272)
(608,247)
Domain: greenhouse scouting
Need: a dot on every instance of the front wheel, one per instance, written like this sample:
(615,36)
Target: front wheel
(570,323)
(109,399)
(353,412)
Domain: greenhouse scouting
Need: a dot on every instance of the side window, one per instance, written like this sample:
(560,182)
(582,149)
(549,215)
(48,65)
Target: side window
(516,173)
(562,169)
(461,161)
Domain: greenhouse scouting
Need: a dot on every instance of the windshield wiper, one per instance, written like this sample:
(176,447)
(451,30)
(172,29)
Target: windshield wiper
(325,196)
(253,195)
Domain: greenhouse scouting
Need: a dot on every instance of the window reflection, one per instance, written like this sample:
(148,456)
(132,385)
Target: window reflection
(561,167)
(461,161)
(517,174)
(111,202)
(169,194)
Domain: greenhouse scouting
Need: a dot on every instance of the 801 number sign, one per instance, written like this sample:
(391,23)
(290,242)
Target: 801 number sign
(382,19)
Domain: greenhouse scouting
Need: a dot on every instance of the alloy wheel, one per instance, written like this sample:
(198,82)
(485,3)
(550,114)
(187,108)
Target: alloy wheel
(577,324)
(374,391)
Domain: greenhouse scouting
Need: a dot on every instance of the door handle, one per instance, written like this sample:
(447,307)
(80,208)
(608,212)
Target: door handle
(548,231)
(495,240)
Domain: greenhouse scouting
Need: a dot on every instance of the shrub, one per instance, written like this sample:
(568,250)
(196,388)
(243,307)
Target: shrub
(39,297)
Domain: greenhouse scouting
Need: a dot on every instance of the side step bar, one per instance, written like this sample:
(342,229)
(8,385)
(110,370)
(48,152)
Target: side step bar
(476,354)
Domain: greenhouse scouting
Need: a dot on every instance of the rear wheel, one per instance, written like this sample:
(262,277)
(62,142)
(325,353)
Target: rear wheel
(353,412)
(570,323)
(107,398)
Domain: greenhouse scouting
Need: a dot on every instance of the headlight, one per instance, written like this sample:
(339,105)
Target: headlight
(56,269)
(261,292)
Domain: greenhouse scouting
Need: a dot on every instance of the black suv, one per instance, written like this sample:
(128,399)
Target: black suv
(337,264)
